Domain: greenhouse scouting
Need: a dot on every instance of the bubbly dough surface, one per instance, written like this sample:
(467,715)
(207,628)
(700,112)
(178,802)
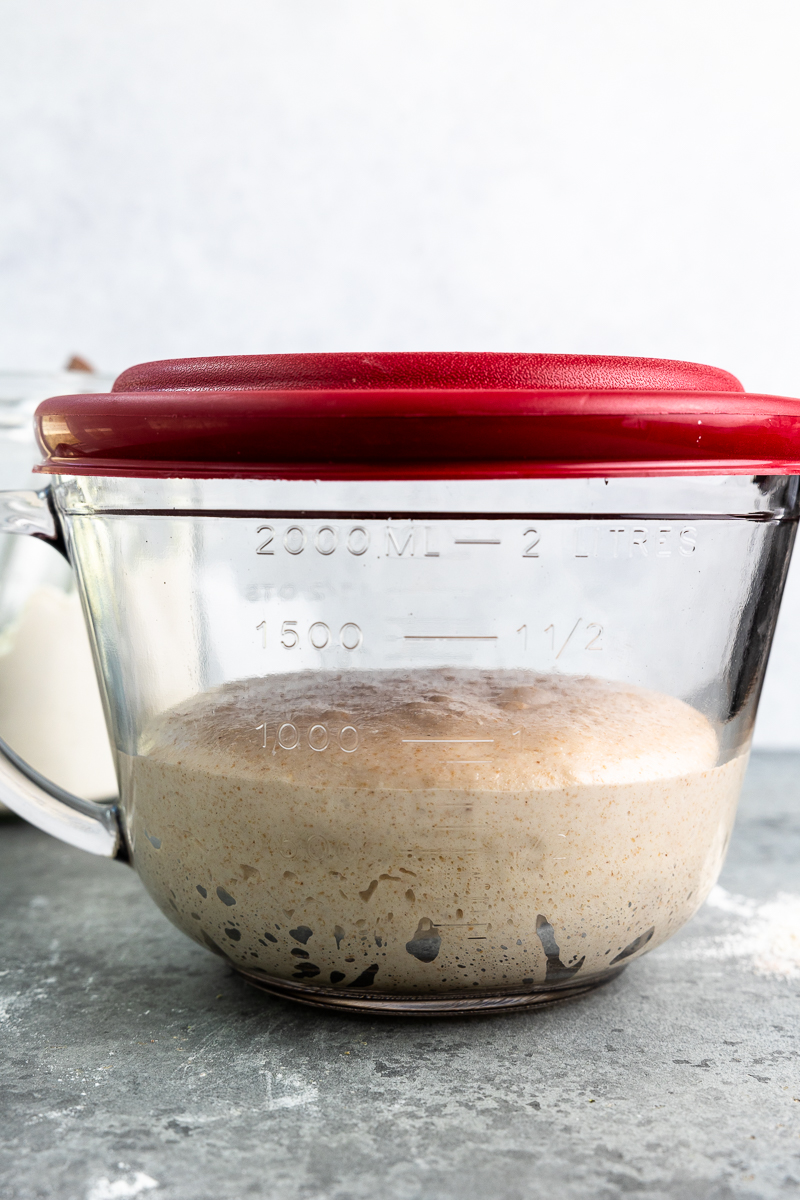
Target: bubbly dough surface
(430,831)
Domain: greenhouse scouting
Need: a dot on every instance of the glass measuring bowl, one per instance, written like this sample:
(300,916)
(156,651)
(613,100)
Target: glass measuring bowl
(411,742)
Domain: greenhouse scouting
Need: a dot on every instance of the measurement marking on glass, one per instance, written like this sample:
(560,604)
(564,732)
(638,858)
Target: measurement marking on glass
(465,828)
(462,924)
(466,850)
(477,541)
(447,741)
(551,629)
(449,637)
(459,817)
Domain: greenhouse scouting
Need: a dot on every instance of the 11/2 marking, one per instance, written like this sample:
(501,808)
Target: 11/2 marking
(592,633)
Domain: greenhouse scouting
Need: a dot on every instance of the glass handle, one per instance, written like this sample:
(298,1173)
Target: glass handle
(90,824)
(31,513)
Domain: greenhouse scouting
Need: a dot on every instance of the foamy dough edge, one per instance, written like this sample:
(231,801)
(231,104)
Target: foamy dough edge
(586,756)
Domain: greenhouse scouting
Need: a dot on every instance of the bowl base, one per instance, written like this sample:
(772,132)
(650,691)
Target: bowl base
(437,1005)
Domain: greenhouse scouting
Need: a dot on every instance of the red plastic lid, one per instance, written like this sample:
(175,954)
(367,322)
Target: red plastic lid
(404,416)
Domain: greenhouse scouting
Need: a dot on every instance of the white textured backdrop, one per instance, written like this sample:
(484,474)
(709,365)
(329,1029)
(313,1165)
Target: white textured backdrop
(186,177)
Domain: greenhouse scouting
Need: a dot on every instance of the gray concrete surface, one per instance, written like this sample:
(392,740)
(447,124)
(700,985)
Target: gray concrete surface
(134,1064)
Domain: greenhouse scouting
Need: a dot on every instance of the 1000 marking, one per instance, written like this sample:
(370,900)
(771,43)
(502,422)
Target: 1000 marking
(318,737)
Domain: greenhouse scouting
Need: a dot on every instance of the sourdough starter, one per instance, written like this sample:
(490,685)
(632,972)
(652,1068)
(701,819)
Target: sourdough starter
(430,831)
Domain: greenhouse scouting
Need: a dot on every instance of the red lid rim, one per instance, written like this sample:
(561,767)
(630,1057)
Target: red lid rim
(410,435)
(443,416)
(444,472)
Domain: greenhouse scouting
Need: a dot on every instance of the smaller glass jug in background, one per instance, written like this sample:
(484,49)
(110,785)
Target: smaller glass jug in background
(51,714)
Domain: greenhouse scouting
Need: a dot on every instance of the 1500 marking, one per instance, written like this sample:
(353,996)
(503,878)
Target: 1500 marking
(318,635)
